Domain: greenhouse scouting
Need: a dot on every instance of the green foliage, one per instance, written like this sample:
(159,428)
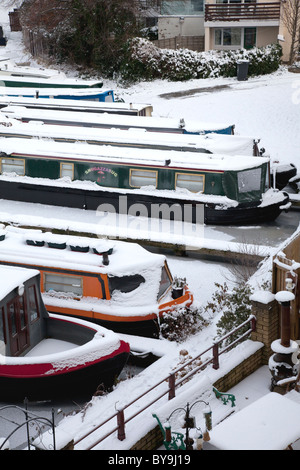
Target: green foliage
(181,323)
(142,60)
(94,33)
(235,307)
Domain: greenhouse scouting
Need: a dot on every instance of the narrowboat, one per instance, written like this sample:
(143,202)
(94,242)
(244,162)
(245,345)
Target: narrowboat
(90,94)
(9,67)
(29,81)
(107,121)
(116,284)
(113,107)
(186,186)
(207,143)
(23,69)
(45,356)
(136,138)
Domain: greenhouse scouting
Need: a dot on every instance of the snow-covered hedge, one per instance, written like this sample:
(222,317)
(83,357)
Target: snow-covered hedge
(146,61)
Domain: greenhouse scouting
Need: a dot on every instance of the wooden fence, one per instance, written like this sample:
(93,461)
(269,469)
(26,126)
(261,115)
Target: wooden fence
(194,43)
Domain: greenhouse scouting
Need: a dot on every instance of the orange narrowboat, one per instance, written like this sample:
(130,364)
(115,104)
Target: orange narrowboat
(117,284)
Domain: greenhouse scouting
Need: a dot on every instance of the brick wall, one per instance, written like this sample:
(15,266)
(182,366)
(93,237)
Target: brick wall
(267,330)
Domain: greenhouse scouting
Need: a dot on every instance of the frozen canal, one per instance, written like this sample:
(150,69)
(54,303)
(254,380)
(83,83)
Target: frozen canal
(271,234)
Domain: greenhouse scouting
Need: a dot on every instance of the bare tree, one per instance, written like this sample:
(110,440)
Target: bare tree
(89,33)
(291,20)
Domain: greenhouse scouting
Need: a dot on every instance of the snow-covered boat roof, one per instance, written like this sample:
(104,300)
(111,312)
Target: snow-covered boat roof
(76,104)
(125,259)
(49,91)
(8,66)
(51,81)
(12,278)
(111,119)
(120,155)
(215,143)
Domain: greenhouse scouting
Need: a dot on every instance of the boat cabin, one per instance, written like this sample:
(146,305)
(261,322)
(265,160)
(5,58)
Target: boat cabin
(233,189)
(22,312)
(135,138)
(90,94)
(87,106)
(73,118)
(116,284)
(48,356)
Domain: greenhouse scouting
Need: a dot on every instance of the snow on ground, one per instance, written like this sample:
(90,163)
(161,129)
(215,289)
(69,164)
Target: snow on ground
(265,107)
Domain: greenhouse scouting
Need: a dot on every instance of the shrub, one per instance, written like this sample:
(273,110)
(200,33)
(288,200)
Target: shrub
(142,60)
(181,323)
(236,308)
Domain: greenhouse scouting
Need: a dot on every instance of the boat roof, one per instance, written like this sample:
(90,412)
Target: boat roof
(50,91)
(76,104)
(113,120)
(215,143)
(51,80)
(101,154)
(126,258)
(12,278)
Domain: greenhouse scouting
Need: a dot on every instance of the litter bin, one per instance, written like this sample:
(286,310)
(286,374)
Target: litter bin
(242,70)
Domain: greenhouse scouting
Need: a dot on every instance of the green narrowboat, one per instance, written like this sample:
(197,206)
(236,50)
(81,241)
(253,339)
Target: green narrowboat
(148,182)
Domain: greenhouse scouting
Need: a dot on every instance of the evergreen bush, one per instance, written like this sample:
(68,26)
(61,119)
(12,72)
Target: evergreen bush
(142,60)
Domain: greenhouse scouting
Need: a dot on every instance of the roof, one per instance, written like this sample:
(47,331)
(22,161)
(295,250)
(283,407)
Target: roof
(119,155)
(12,278)
(126,258)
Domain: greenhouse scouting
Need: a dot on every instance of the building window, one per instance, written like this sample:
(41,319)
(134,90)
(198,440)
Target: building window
(235,37)
(67,169)
(192,182)
(249,38)
(179,7)
(228,37)
(63,284)
(140,178)
(13,165)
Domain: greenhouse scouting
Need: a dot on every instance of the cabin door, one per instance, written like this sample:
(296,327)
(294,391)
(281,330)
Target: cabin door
(18,326)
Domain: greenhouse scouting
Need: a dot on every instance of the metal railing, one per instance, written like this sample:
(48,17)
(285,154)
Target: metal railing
(242,11)
(171,382)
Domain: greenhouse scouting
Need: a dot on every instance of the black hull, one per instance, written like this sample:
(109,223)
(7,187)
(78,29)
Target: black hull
(65,385)
(243,215)
(188,210)
(282,177)
(147,328)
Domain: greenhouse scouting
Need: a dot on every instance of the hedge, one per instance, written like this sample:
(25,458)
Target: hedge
(144,61)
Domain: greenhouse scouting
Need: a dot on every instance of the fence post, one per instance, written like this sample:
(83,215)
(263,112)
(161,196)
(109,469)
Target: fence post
(253,323)
(171,386)
(215,350)
(121,425)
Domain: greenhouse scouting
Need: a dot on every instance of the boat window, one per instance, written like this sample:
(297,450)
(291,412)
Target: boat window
(249,180)
(165,281)
(192,182)
(12,318)
(13,165)
(2,333)
(140,178)
(63,283)
(125,283)
(67,169)
(22,312)
(33,305)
